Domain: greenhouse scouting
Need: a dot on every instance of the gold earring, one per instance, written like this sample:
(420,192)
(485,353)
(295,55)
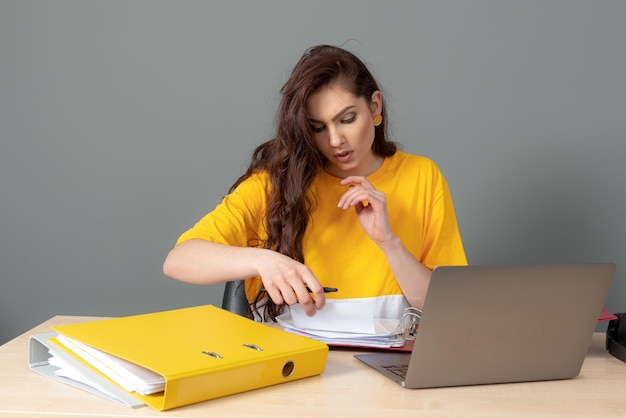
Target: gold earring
(378,119)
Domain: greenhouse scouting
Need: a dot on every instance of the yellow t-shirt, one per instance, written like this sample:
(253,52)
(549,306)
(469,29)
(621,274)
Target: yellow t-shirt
(335,247)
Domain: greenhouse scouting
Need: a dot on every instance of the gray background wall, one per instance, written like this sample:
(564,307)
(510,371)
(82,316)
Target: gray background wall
(123,122)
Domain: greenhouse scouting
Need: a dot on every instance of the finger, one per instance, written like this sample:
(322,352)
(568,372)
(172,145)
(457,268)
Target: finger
(289,295)
(317,292)
(275,295)
(354,197)
(356,184)
(355,180)
(310,292)
(306,285)
(360,197)
(308,305)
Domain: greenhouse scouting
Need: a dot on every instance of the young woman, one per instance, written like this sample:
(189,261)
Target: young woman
(328,202)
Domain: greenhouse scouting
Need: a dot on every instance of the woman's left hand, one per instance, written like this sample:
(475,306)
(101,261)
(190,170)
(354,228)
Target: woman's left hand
(370,206)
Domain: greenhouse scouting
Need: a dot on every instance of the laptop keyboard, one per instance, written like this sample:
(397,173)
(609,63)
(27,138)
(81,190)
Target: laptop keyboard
(398,370)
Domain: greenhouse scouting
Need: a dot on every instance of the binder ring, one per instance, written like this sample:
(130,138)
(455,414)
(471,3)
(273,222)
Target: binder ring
(409,321)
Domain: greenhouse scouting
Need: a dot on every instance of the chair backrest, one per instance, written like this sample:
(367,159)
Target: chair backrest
(234,299)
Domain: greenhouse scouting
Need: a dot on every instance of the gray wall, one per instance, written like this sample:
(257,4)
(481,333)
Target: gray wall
(123,122)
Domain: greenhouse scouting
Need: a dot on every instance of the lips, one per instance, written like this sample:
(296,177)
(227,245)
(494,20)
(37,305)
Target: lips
(343,157)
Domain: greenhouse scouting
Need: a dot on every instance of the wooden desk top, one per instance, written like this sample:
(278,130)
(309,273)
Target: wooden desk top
(347,388)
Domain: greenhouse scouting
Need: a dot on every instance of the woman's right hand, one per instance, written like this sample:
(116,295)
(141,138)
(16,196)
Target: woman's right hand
(286,281)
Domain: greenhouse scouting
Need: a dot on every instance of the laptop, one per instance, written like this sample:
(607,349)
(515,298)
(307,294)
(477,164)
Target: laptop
(501,324)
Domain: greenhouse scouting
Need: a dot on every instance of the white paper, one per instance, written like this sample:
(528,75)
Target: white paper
(129,376)
(337,316)
(386,335)
(69,372)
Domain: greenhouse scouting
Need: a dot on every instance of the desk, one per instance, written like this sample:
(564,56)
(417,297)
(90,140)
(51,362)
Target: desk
(347,388)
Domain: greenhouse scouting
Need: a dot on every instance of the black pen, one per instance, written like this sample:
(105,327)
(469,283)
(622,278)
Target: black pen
(326,290)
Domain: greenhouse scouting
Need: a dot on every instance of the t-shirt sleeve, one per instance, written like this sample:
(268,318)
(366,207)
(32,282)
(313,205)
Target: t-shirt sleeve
(238,219)
(443,244)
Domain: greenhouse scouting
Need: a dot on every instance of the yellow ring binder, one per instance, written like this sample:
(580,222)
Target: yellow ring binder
(249,355)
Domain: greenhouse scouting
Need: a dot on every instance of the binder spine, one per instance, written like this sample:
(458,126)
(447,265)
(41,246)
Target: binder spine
(250,376)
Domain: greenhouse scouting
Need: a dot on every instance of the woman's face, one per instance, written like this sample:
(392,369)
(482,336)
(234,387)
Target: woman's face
(343,129)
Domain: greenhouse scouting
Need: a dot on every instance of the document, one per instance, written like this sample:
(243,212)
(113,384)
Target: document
(69,371)
(129,376)
(337,316)
(344,323)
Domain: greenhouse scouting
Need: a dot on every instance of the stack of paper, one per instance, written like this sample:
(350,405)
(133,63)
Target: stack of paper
(344,323)
(129,376)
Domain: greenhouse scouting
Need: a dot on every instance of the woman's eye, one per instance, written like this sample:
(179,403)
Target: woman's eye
(317,129)
(349,118)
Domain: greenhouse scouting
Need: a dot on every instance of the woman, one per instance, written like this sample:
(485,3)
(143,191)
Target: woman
(329,201)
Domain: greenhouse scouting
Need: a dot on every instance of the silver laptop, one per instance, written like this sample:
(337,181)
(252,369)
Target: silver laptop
(498,324)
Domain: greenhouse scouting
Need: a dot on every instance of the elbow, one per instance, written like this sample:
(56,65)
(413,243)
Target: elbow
(171,267)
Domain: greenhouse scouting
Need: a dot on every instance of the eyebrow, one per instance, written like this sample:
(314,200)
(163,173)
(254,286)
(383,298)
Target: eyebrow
(337,116)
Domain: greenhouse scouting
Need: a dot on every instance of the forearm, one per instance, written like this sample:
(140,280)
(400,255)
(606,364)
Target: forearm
(202,262)
(411,275)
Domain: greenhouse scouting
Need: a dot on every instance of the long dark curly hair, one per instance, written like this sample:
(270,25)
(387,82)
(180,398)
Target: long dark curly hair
(291,157)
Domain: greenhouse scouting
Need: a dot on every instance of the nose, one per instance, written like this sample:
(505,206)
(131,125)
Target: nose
(335,138)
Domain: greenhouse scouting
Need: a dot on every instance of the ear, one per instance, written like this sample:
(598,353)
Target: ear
(376,103)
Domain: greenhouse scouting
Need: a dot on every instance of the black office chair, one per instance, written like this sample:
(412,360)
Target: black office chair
(234,299)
